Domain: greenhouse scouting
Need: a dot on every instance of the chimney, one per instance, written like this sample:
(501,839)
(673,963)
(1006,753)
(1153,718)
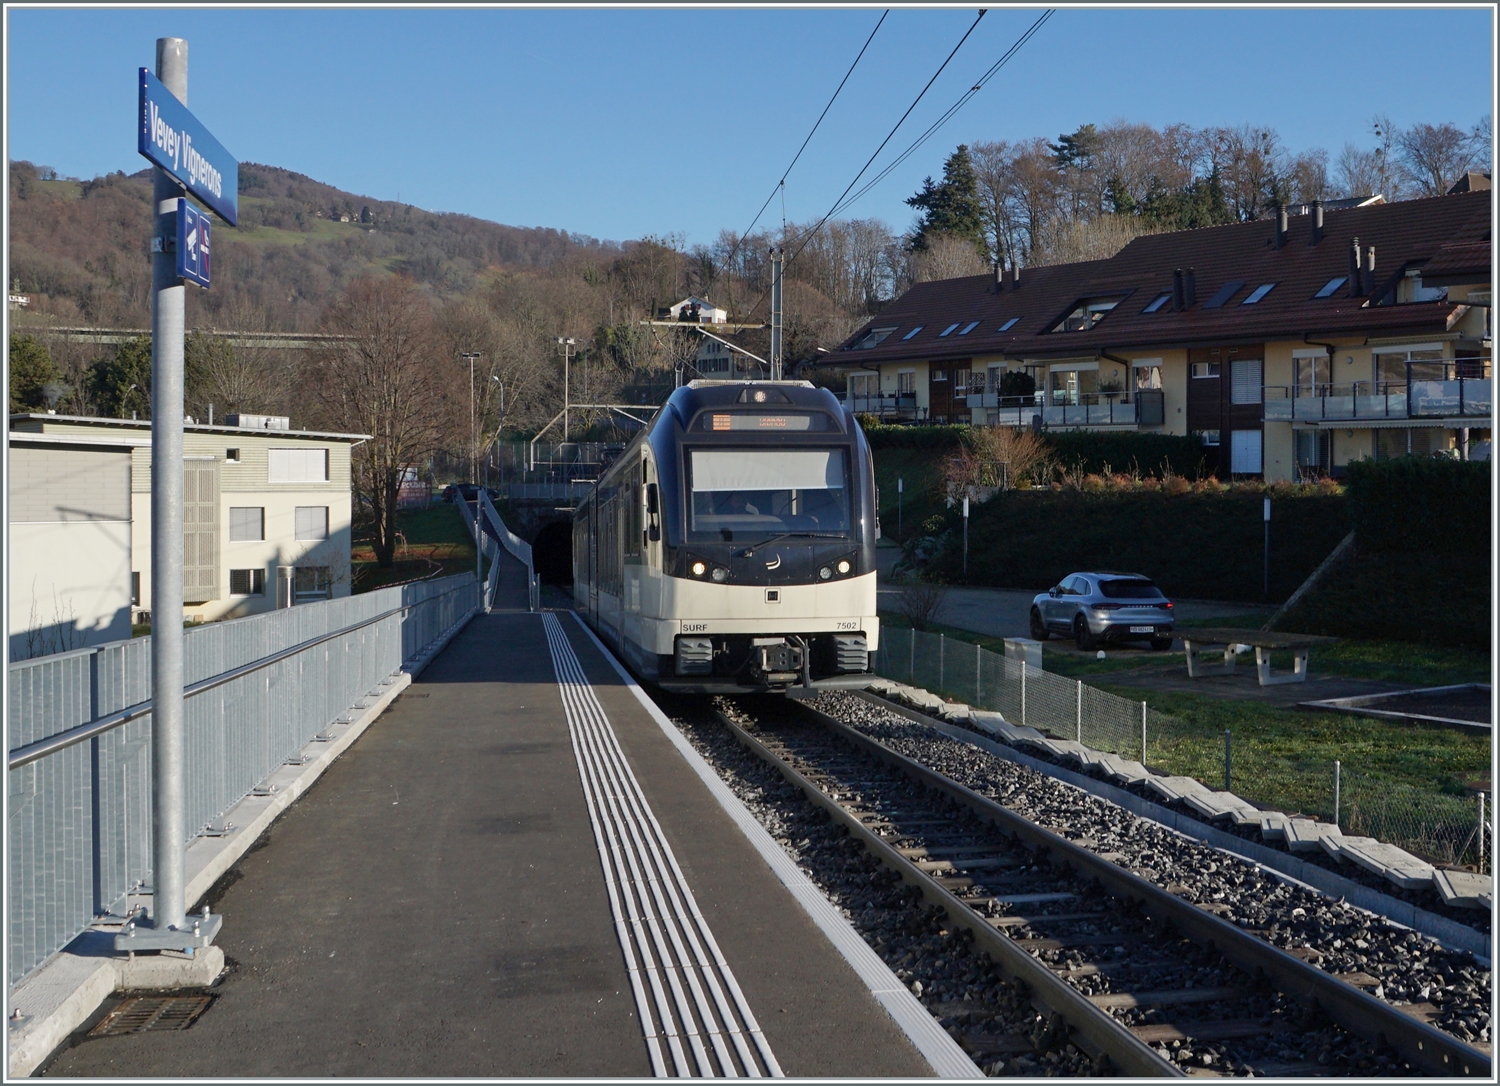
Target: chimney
(1317,221)
(999,277)
(1190,290)
(1015,275)
(1354,276)
(1280,225)
(1369,284)
(1179,295)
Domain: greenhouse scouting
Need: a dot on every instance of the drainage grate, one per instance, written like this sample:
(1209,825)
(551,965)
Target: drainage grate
(136,1014)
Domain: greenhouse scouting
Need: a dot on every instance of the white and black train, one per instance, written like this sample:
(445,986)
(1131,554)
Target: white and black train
(731,547)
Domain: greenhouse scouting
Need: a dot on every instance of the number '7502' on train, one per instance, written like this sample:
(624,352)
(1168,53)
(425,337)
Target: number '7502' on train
(731,547)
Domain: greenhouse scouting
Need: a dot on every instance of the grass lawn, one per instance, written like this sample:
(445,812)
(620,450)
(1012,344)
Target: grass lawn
(432,538)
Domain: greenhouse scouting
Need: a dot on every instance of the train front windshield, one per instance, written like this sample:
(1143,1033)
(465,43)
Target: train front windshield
(749,494)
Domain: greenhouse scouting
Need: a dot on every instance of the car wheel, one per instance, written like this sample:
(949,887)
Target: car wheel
(1039,631)
(1161,644)
(1087,642)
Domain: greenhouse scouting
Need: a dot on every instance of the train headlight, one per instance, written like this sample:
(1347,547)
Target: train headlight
(719,575)
(824,573)
(699,568)
(843,566)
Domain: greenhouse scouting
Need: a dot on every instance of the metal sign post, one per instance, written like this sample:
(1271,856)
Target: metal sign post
(186,156)
(776,258)
(966,535)
(1266,588)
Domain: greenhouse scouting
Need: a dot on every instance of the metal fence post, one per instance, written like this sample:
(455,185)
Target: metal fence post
(1024,666)
(978,693)
(1480,865)
(911,663)
(1226,758)
(1337,774)
(942,652)
(1080,710)
(1143,733)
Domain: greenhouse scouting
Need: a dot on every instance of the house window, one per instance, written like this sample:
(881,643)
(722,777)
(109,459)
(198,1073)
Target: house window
(1391,367)
(135,589)
(1008,325)
(1226,292)
(873,337)
(1210,437)
(312,522)
(1312,374)
(1087,313)
(297,465)
(1331,286)
(247,582)
(939,375)
(231,456)
(1205,369)
(906,382)
(914,331)
(1147,377)
(1258,293)
(1160,300)
(1244,382)
(969,328)
(312,583)
(246,524)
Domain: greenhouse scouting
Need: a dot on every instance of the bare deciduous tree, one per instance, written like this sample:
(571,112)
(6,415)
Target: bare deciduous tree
(385,377)
(946,258)
(1435,155)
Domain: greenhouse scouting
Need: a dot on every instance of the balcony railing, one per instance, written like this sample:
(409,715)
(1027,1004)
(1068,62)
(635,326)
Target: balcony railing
(899,405)
(1458,388)
(1144,408)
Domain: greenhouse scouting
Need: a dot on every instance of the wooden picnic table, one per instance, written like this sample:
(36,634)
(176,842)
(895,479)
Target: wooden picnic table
(1200,643)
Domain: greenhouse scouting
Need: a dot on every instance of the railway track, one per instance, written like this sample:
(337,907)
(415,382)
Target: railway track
(1117,972)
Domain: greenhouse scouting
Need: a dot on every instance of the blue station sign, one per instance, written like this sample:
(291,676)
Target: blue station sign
(175,140)
(193,231)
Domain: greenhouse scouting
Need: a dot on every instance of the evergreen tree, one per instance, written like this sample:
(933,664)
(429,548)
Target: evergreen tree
(951,207)
(121,384)
(33,374)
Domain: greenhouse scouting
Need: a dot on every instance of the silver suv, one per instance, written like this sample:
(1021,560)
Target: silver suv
(1104,607)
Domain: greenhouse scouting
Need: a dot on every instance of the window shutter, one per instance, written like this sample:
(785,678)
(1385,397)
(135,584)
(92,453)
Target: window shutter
(297,465)
(200,532)
(1245,382)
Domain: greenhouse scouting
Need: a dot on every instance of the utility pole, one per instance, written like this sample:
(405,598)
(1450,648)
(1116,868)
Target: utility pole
(776,270)
(168,301)
(472,356)
(567,344)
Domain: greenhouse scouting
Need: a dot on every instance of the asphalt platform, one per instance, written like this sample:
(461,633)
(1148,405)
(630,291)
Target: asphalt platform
(435,905)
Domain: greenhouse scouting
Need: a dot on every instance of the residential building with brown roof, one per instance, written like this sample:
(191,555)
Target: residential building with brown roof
(1292,345)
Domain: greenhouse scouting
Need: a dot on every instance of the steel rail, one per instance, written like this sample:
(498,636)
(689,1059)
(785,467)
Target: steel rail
(1097,1028)
(1427,1047)
(32,752)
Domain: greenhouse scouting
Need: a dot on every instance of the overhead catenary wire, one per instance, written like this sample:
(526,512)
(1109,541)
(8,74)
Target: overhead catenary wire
(781,185)
(889,136)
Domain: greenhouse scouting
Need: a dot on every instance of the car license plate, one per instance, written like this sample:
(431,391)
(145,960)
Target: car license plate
(1143,629)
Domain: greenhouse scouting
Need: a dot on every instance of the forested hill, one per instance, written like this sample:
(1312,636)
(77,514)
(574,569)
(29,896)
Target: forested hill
(79,247)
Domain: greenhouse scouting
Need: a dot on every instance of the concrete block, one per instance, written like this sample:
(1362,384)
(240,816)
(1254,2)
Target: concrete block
(1213,804)
(1395,864)
(1463,889)
(1174,788)
(1273,825)
(169,969)
(1123,769)
(1305,835)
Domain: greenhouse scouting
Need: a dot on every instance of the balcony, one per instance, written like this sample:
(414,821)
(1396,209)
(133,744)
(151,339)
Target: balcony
(892,406)
(1116,409)
(1457,389)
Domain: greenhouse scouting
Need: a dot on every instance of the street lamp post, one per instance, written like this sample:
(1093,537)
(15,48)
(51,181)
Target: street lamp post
(567,343)
(473,419)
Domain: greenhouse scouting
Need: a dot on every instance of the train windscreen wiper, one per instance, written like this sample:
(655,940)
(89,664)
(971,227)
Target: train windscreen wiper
(748,551)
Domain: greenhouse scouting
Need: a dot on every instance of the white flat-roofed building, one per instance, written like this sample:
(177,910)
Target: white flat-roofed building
(259,504)
(69,542)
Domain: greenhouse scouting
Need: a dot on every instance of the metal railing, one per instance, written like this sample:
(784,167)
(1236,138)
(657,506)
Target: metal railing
(257,690)
(1452,388)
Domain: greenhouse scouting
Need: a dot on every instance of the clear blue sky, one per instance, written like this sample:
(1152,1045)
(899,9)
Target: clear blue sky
(619,123)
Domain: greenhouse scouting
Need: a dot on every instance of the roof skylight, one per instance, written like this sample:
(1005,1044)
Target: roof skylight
(945,331)
(873,337)
(1160,300)
(1226,292)
(1258,293)
(914,331)
(1008,325)
(969,328)
(1087,313)
(1331,286)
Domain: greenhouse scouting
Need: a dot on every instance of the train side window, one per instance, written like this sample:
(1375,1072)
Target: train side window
(653,531)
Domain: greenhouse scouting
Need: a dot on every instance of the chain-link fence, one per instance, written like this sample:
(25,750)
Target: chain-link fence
(1438,827)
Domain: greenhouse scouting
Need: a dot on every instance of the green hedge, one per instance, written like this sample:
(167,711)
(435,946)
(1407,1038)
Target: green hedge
(1420,570)
(914,437)
(1204,545)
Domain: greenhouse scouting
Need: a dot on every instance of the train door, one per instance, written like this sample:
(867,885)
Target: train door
(594,558)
